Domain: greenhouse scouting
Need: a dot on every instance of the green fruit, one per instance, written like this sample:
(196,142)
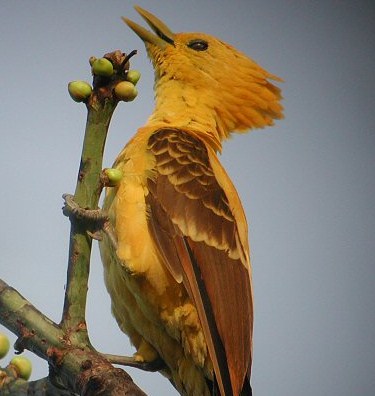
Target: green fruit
(126,91)
(133,76)
(102,67)
(23,366)
(79,90)
(4,345)
(114,176)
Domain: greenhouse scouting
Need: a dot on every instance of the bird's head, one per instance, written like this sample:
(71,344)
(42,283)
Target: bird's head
(209,77)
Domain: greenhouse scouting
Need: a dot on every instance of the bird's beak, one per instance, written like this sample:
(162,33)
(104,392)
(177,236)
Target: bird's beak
(163,35)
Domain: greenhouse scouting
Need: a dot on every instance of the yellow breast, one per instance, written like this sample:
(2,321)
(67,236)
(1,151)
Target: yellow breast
(148,304)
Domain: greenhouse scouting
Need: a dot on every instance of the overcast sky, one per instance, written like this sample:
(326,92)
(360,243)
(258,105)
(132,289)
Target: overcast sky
(307,184)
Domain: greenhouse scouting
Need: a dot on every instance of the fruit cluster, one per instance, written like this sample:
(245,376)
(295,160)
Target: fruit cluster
(124,90)
(20,365)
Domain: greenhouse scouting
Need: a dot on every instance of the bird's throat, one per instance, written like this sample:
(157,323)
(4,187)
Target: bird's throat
(179,108)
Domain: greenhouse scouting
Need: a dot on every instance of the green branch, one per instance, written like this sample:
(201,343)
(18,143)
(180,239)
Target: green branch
(36,332)
(74,364)
(87,195)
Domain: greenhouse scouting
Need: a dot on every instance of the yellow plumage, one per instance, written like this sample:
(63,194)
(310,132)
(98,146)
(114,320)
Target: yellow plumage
(180,279)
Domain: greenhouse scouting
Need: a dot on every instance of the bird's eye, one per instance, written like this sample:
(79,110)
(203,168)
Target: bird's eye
(198,45)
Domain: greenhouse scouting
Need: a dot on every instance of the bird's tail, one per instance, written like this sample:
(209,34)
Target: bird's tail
(246,389)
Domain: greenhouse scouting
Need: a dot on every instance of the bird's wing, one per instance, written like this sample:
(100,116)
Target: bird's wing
(198,224)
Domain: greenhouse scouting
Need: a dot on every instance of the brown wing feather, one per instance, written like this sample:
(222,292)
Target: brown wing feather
(195,225)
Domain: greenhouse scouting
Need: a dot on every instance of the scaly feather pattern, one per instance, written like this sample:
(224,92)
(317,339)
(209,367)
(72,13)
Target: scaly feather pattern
(209,252)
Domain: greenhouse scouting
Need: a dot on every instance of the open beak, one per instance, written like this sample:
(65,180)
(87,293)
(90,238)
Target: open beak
(163,34)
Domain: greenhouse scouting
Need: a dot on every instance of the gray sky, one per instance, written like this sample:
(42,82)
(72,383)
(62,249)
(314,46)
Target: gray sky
(307,184)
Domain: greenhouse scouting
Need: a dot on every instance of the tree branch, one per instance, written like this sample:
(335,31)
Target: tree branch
(100,109)
(74,364)
(36,332)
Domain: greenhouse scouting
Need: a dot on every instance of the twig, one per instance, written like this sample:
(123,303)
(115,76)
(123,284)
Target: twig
(86,196)
(36,332)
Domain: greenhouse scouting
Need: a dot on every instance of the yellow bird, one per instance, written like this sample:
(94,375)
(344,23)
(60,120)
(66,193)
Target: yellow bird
(180,277)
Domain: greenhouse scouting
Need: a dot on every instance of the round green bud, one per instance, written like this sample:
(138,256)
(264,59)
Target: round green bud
(102,67)
(126,91)
(79,90)
(23,366)
(114,176)
(4,345)
(133,76)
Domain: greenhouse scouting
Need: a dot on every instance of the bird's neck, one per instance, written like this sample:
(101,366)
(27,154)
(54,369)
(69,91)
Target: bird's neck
(182,107)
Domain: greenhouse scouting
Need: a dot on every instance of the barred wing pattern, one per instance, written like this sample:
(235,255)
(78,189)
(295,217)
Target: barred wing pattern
(197,222)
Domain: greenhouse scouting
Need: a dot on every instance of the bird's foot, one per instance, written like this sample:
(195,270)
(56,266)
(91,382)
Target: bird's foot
(133,361)
(97,218)
(71,208)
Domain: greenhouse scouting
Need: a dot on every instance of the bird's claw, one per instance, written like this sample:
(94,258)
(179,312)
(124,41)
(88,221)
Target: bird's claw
(97,235)
(155,365)
(72,208)
(97,217)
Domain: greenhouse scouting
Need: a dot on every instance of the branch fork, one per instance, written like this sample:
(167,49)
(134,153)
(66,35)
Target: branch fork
(75,366)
